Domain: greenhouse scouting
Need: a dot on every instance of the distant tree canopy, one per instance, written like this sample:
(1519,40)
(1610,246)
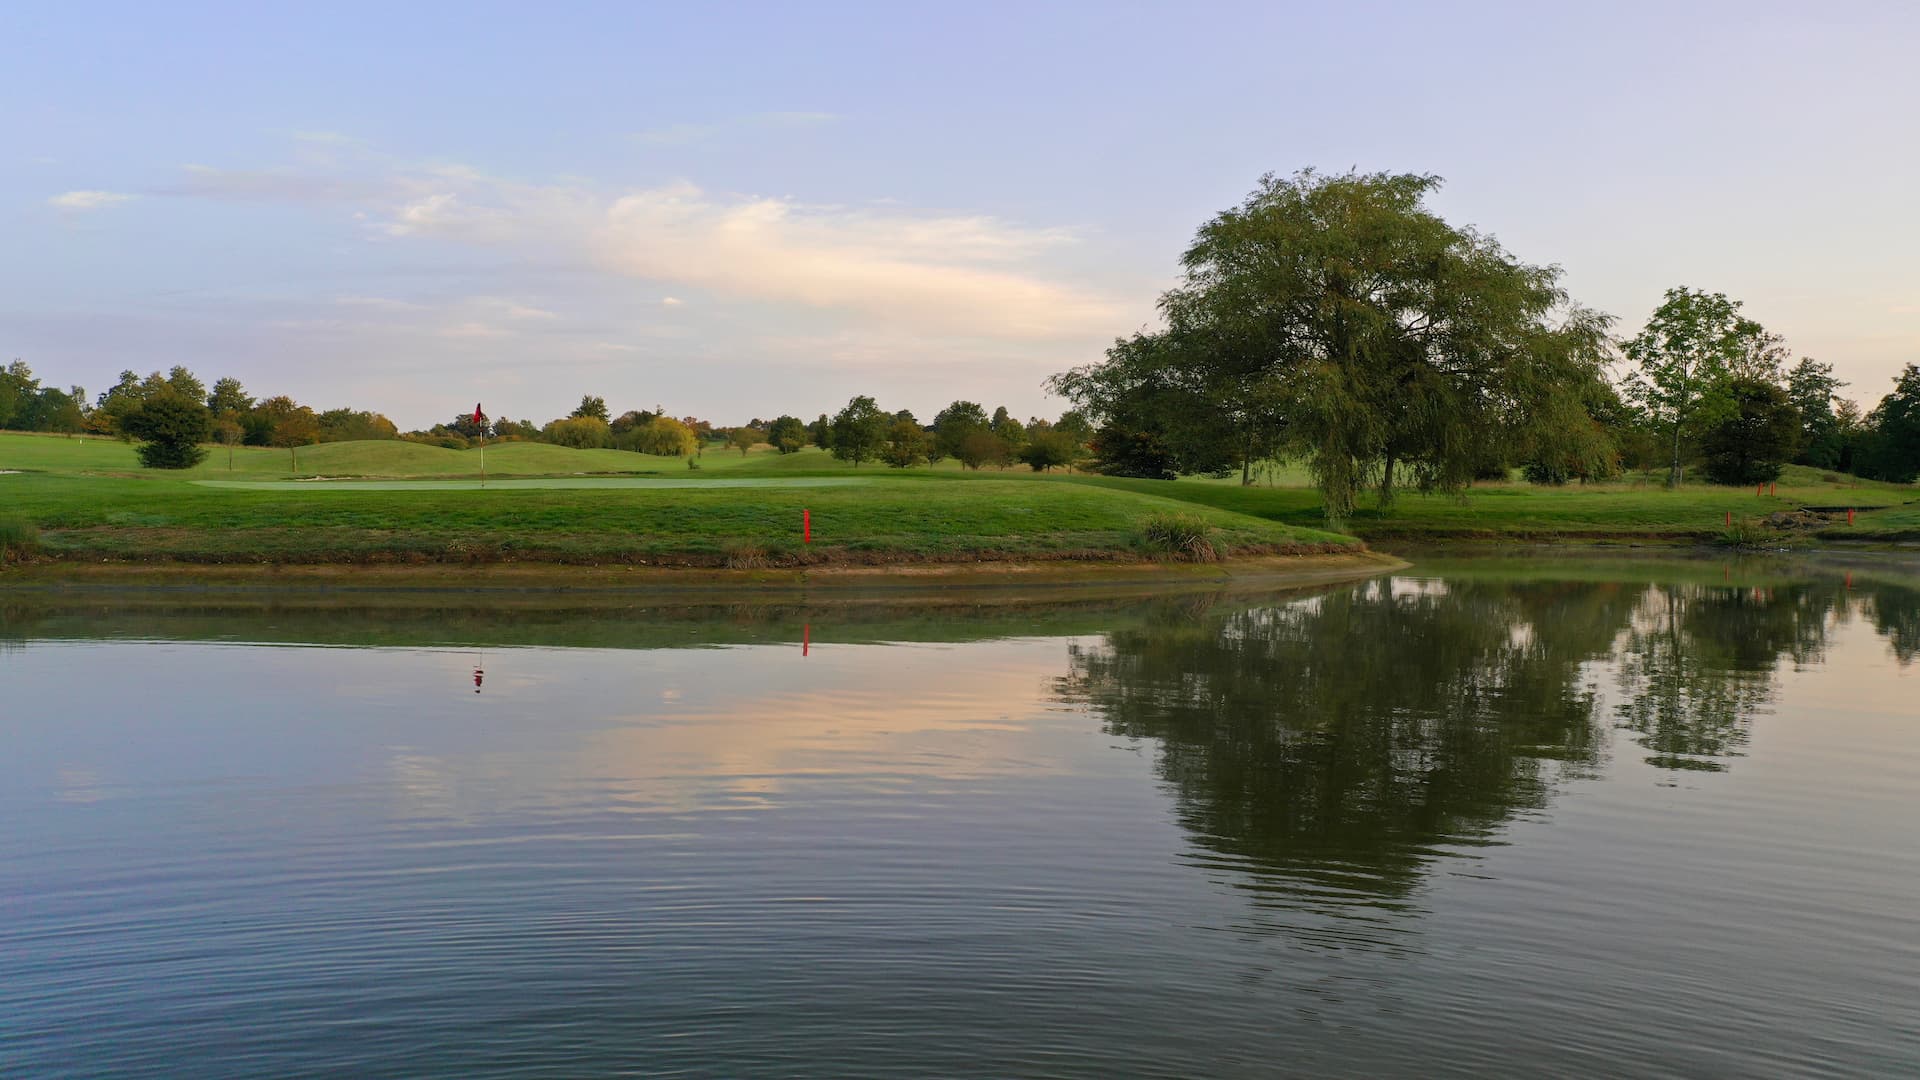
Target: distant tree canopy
(907,444)
(1813,390)
(579,432)
(1339,318)
(664,436)
(788,434)
(170,426)
(746,438)
(1685,361)
(591,407)
(860,430)
(1892,449)
(1755,437)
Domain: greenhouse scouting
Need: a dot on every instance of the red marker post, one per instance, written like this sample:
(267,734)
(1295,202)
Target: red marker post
(806,526)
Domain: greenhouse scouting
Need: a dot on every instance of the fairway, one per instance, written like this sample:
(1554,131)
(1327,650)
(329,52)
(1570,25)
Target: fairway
(553,483)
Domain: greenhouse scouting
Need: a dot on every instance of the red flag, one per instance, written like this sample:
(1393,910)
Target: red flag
(476,412)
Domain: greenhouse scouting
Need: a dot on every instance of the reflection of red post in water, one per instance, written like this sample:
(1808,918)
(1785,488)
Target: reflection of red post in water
(806,637)
(478,675)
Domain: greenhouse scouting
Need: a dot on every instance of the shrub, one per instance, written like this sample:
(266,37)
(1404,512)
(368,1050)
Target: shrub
(171,428)
(1747,533)
(1182,536)
(18,539)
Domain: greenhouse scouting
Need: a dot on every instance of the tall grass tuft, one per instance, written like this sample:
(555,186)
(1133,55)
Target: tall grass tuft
(18,539)
(1183,536)
(744,555)
(1748,534)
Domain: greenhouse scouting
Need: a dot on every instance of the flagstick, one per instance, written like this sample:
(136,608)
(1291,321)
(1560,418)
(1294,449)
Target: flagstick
(483,459)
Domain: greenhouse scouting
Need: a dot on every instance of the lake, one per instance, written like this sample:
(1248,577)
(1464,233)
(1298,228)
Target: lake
(1475,818)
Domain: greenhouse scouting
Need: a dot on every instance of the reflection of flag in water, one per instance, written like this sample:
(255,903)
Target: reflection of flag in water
(476,412)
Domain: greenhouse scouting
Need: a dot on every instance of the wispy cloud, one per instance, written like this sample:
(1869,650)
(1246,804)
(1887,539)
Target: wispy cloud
(88,200)
(941,273)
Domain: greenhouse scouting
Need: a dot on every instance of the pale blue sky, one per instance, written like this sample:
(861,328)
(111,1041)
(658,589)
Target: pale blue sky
(751,209)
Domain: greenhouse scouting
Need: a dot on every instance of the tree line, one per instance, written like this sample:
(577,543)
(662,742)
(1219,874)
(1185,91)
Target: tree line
(1339,321)
(174,415)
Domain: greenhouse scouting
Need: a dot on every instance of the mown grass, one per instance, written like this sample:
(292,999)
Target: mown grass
(900,517)
(88,498)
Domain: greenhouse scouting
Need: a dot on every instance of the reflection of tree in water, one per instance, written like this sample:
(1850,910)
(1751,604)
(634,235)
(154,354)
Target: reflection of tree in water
(1335,742)
(1895,611)
(1698,663)
(1333,747)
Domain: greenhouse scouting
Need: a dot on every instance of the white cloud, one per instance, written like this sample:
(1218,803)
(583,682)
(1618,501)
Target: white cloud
(87,200)
(672,301)
(963,274)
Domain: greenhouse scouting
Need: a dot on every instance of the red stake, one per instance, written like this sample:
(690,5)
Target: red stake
(1849,515)
(1729,517)
(806,637)
(806,526)
(1773,489)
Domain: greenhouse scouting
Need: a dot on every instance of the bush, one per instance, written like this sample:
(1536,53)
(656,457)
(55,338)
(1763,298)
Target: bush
(171,428)
(1546,473)
(1182,536)
(1746,533)
(18,539)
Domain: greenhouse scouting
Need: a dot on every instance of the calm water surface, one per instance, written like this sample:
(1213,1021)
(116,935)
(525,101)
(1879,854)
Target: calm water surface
(1653,820)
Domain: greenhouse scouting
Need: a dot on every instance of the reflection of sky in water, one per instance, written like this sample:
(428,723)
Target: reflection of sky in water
(1171,848)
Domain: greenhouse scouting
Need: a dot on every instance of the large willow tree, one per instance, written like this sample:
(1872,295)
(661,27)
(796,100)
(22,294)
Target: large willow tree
(1338,318)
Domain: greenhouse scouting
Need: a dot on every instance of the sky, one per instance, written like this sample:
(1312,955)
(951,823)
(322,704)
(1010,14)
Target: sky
(738,210)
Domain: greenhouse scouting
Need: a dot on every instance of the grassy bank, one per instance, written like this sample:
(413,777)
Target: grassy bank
(391,502)
(91,515)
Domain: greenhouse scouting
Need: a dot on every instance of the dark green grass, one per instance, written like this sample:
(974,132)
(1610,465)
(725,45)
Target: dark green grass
(915,517)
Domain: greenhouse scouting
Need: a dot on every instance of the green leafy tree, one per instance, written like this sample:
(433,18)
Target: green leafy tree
(170,428)
(1339,318)
(821,432)
(664,436)
(579,432)
(592,407)
(55,410)
(115,402)
(860,431)
(1050,448)
(284,422)
(1813,390)
(1755,437)
(350,425)
(1892,442)
(787,434)
(745,439)
(953,424)
(228,398)
(907,444)
(629,420)
(18,388)
(1685,360)
(1009,430)
(186,384)
(981,448)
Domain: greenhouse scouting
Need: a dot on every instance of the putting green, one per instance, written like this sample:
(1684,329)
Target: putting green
(542,484)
